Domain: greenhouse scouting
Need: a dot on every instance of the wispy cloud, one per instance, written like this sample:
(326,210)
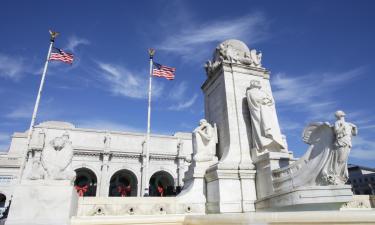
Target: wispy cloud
(184,105)
(192,41)
(12,67)
(313,92)
(124,82)
(20,112)
(363,149)
(100,124)
(74,42)
(24,111)
(178,91)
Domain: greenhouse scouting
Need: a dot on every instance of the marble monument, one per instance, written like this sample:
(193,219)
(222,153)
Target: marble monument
(237,161)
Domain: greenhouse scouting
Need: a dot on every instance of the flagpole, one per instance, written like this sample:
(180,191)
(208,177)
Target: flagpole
(146,183)
(36,106)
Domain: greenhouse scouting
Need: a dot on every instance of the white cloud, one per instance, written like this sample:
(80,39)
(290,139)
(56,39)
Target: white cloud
(178,91)
(74,42)
(21,112)
(184,105)
(124,82)
(46,110)
(288,125)
(106,125)
(12,67)
(363,149)
(191,41)
(312,92)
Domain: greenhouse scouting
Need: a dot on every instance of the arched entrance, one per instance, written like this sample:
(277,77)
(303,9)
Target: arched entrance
(86,182)
(123,183)
(3,199)
(162,184)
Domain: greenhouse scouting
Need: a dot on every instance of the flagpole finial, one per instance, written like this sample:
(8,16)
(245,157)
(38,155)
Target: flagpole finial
(53,35)
(151,52)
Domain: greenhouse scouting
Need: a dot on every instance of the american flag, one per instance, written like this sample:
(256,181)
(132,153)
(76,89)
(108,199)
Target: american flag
(163,71)
(58,54)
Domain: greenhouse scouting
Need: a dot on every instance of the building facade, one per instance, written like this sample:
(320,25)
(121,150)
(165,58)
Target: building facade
(106,163)
(362,179)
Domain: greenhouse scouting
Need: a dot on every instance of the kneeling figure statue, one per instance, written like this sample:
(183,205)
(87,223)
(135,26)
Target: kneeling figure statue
(204,142)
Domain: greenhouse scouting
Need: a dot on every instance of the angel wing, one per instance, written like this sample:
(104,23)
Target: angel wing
(309,130)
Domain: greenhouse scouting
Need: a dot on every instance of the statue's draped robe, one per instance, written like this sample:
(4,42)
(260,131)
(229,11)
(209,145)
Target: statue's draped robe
(265,127)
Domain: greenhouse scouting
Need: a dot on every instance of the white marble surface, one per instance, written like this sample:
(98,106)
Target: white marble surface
(228,77)
(43,203)
(258,218)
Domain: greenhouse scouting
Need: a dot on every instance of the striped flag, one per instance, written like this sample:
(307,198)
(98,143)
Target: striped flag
(58,54)
(163,71)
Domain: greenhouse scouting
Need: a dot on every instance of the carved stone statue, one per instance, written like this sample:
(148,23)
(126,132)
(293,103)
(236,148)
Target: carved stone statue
(37,171)
(233,51)
(325,161)
(336,169)
(57,157)
(265,130)
(204,142)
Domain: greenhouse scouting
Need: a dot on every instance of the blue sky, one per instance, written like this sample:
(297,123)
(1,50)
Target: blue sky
(320,53)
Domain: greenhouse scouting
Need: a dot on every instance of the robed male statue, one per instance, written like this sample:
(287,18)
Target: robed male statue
(265,129)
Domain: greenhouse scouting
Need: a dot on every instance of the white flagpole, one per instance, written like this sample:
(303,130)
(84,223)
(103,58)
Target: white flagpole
(146,181)
(36,106)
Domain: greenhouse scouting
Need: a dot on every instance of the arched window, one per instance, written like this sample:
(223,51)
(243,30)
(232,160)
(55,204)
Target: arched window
(123,184)
(86,182)
(162,184)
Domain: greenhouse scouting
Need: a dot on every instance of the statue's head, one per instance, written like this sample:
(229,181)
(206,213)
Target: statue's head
(255,84)
(65,136)
(339,114)
(202,121)
(58,143)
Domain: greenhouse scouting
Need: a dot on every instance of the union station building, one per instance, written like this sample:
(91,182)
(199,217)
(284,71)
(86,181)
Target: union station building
(106,163)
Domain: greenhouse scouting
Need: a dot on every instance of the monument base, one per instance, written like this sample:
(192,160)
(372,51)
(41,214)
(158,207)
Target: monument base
(230,190)
(313,198)
(193,196)
(253,218)
(38,202)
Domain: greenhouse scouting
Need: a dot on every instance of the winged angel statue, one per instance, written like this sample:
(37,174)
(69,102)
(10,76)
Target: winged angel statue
(325,162)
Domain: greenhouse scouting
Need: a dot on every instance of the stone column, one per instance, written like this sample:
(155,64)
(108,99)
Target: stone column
(103,184)
(228,77)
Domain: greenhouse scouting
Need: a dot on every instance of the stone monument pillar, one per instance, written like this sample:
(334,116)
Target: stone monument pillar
(229,75)
(45,194)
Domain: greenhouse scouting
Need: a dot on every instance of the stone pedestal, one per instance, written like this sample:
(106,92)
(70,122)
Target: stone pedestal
(230,190)
(314,198)
(265,164)
(273,195)
(193,196)
(43,203)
